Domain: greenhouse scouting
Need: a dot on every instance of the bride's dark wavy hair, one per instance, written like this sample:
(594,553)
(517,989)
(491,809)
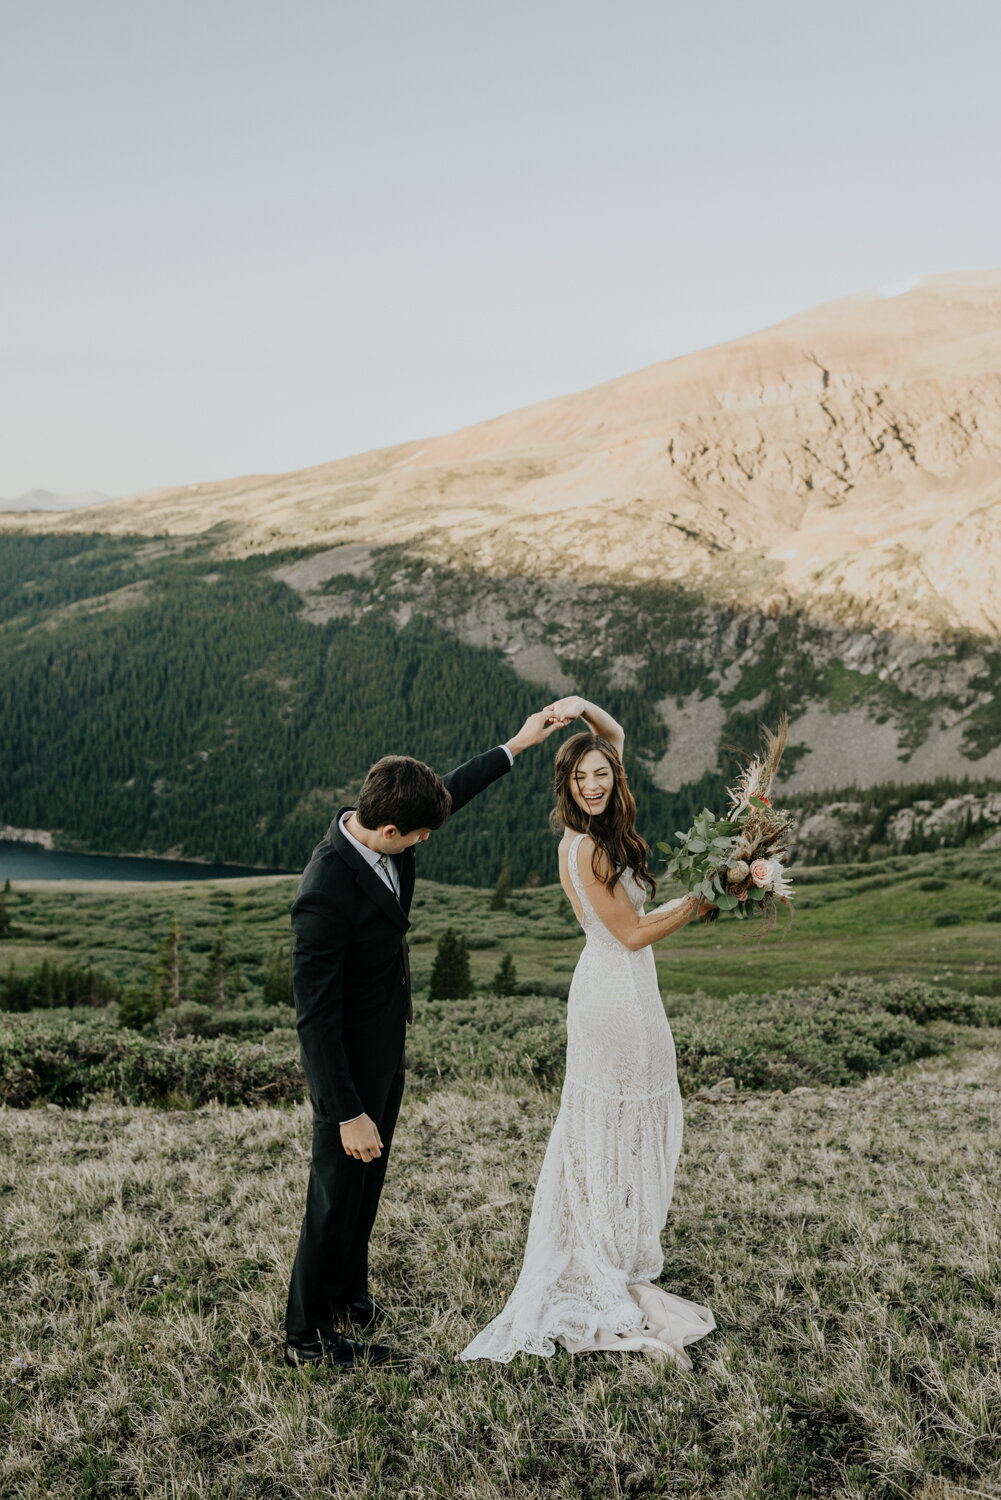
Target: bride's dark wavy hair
(614,830)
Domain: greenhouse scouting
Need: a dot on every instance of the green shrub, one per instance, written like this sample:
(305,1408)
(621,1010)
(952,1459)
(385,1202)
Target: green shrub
(139,1008)
(831,1034)
(559,989)
(932,883)
(277,988)
(947,918)
(248,1025)
(64,1059)
(994,915)
(834,1033)
(488,1037)
(794,1039)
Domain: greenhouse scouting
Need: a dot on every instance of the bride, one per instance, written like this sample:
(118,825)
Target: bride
(593,1251)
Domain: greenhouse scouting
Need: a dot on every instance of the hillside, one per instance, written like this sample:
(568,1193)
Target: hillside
(803,520)
(847,461)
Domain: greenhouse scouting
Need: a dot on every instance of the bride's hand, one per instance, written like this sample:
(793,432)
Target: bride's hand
(536,728)
(566,709)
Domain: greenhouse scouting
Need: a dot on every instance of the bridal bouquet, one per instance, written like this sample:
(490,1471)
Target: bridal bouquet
(737,862)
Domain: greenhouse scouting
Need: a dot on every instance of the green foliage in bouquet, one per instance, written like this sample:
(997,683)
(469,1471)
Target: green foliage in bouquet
(703,854)
(737,863)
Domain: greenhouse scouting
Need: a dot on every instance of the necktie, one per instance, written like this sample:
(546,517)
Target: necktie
(383,864)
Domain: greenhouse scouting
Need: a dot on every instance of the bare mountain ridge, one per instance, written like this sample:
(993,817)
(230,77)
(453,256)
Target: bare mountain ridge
(47,500)
(845,464)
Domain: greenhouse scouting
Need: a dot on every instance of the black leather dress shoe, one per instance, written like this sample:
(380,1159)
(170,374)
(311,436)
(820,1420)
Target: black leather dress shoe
(364,1312)
(338,1353)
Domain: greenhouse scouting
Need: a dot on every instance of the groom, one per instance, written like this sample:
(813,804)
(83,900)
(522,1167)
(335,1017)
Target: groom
(351,976)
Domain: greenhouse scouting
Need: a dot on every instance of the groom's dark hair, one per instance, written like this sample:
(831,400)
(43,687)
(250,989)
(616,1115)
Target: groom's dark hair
(405,792)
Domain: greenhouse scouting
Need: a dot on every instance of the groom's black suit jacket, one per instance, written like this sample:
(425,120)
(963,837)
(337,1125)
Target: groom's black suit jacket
(350,969)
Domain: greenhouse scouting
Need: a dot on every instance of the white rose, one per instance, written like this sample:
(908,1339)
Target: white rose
(761,872)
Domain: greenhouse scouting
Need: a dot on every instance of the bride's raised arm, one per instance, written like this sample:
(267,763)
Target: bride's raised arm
(596,719)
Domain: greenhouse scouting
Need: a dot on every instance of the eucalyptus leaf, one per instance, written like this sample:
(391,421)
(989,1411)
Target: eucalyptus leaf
(696,846)
(756,893)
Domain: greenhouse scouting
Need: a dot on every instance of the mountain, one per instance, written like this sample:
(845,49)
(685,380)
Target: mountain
(46,500)
(805,520)
(846,461)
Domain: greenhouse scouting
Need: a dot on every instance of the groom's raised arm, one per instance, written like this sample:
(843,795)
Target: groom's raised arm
(474,776)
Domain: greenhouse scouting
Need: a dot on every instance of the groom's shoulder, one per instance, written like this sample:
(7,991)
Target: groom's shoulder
(326,872)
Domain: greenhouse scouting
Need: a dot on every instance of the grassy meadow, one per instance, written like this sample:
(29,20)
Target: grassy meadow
(877,919)
(836,1208)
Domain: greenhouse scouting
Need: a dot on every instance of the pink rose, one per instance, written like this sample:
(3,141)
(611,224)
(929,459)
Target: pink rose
(761,872)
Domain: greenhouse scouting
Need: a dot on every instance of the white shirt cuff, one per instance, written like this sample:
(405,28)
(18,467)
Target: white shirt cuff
(351,1121)
(508,752)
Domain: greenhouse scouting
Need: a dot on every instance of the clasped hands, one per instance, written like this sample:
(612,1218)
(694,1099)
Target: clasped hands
(539,726)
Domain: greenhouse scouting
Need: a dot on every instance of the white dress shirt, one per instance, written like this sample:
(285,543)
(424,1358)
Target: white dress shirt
(383,865)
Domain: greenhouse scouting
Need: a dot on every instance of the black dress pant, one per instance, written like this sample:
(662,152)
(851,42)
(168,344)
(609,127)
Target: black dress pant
(331,1263)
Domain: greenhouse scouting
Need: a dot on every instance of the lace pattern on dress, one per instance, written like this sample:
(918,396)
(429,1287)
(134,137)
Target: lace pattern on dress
(607,1179)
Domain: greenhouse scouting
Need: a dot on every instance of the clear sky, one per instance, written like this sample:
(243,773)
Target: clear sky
(252,235)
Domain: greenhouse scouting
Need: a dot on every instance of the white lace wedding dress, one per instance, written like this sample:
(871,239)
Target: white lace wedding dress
(593,1249)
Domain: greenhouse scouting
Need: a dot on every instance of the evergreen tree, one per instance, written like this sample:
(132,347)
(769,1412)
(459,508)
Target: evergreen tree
(498,901)
(4,911)
(450,976)
(278,976)
(166,984)
(213,987)
(137,1009)
(45,984)
(506,978)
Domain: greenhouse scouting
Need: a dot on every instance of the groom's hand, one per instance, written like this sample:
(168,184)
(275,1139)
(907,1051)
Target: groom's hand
(536,728)
(361,1140)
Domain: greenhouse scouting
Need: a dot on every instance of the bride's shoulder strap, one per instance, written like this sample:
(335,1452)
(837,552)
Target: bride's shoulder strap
(572,856)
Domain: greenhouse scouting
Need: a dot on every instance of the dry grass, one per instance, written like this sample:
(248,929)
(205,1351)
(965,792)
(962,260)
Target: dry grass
(847,1240)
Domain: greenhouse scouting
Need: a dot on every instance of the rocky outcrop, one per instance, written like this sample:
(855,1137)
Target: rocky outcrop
(841,831)
(39,836)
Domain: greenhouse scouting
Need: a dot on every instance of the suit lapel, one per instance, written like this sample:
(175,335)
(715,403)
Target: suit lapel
(366,878)
(406,864)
